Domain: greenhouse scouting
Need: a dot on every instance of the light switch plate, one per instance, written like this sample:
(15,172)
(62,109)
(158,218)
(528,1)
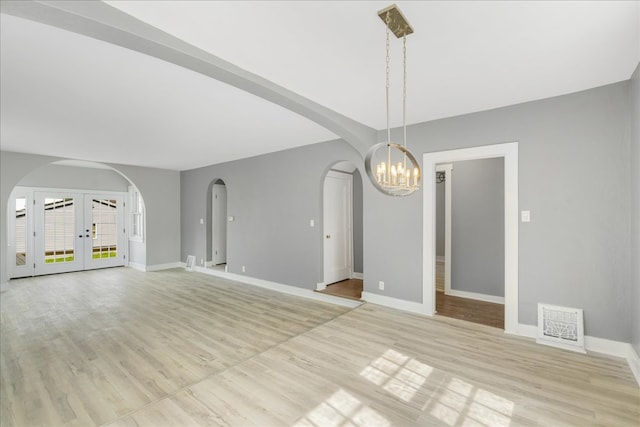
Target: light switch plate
(312,223)
(525,216)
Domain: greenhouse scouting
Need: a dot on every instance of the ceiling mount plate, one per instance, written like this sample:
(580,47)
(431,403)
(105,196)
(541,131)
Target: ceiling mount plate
(397,22)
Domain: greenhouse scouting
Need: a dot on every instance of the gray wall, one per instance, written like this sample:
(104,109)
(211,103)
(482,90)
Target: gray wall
(575,251)
(358,250)
(440,216)
(477,226)
(574,176)
(160,190)
(635,210)
(57,176)
(272,198)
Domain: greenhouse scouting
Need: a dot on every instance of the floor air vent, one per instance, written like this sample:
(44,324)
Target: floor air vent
(561,327)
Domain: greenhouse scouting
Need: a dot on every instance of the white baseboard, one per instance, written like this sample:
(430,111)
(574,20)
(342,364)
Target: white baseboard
(529,331)
(605,346)
(321,286)
(400,304)
(166,266)
(287,289)
(475,296)
(136,266)
(355,275)
(634,362)
(595,344)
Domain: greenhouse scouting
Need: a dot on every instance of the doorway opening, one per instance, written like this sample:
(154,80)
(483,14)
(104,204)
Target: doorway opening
(71,216)
(217,236)
(342,212)
(470,241)
(508,153)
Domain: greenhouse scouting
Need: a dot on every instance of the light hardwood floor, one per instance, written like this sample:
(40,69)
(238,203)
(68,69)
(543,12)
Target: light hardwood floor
(122,348)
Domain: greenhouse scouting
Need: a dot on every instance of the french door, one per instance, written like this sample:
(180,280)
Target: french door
(67,231)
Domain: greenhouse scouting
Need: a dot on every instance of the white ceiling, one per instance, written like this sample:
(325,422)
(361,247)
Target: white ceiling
(68,95)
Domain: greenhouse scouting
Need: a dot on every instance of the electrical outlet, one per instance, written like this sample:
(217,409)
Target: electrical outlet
(243,269)
(201,261)
(381,285)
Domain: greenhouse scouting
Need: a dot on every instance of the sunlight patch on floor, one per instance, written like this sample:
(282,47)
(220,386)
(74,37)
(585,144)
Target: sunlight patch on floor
(463,404)
(342,409)
(398,374)
(459,403)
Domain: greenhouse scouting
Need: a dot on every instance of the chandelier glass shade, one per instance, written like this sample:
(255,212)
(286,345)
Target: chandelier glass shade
(391,167)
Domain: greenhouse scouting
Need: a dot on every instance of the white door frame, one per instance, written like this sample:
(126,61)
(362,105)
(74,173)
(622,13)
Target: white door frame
(447,169)
(509,151)
(349,178)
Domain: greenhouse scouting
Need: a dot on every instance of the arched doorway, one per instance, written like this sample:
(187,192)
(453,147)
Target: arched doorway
(217,235)
(70,216)
(342,231)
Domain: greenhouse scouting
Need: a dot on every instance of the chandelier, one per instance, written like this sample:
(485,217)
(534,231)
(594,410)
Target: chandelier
(391,167)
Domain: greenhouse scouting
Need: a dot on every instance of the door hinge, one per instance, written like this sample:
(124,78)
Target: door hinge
(34,234)
(216,196)
(34,265)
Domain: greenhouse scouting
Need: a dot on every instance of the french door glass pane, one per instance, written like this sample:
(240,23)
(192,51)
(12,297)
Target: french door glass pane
(59,232)
(103,228)
(21,231)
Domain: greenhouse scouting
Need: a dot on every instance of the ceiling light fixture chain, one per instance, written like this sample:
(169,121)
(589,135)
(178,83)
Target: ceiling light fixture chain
(388,71)
(394,177)
(386,173)
(404,88)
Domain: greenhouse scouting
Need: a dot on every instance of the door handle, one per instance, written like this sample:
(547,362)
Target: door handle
(328,236)
(86,235)
(80,236)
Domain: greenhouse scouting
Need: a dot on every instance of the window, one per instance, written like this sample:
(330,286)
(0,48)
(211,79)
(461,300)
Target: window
(136,215)
(21,231)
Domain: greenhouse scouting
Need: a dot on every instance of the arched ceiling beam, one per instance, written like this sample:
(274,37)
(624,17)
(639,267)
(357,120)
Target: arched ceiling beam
(103,22)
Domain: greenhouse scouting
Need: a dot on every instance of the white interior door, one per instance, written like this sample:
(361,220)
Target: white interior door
(219,224)
(337,219)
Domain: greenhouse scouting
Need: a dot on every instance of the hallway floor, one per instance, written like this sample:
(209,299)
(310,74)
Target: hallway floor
(484,313)
(350,288)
